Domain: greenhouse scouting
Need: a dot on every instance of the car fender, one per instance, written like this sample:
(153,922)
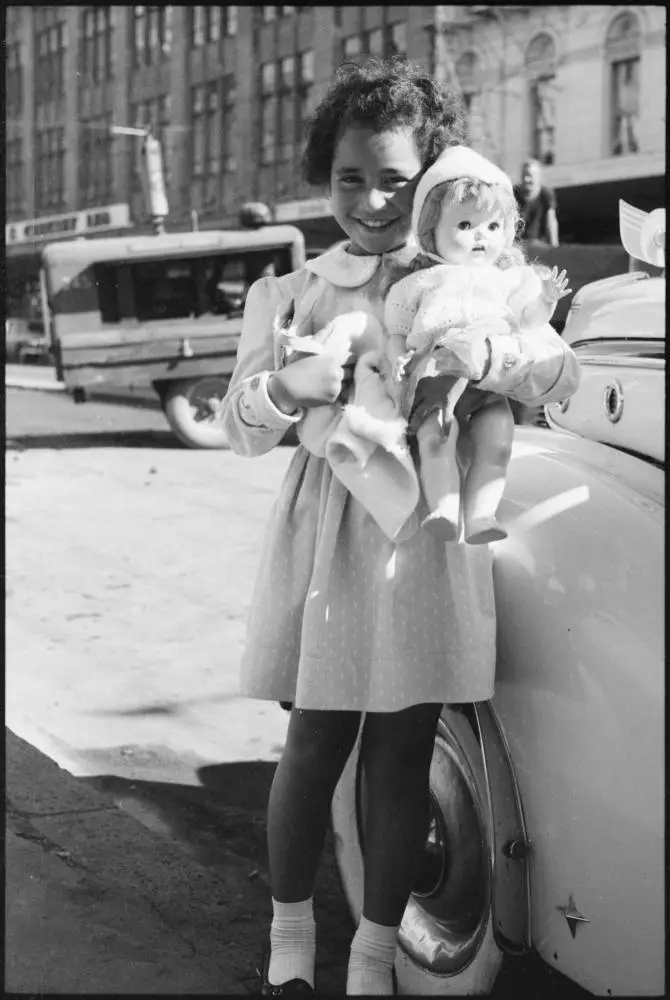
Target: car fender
(580,698)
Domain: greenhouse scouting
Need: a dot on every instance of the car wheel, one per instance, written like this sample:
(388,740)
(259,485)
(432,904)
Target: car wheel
(192,407)
(446,941)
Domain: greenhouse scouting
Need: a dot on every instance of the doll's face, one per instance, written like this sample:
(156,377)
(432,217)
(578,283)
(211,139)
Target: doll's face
(469,235)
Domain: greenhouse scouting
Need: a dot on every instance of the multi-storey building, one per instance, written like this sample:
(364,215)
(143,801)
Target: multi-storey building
(227,90)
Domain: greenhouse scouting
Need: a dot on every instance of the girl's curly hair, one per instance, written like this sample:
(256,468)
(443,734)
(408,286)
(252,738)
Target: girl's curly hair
(382,94)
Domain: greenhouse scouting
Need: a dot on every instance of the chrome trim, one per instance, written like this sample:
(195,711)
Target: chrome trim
(613,401)
(622,361)
(510,896)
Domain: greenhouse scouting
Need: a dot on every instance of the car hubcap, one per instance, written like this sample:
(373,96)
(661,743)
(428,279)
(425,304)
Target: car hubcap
(446,916)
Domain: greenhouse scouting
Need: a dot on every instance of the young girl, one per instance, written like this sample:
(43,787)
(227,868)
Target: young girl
(466,219)
(343,620)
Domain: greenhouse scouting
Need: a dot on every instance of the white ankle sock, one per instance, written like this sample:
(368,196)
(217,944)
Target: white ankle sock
(371,960)
(292,942)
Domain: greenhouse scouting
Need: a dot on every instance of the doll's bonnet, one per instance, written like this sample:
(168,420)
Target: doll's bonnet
(454,163)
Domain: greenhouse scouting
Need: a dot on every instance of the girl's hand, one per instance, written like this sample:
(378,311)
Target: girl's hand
(311,381)
(431,395)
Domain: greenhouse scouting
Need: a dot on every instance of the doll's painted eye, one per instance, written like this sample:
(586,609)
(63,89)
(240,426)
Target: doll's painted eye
(494,226)
(464,225)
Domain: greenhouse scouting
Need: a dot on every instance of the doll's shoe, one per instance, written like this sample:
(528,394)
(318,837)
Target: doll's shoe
(293,988)
(440,526)
(483,531)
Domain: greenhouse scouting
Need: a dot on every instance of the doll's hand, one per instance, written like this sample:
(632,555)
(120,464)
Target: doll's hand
(313,381)
(554,285)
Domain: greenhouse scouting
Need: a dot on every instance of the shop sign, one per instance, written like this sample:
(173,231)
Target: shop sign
(53,227)
(307,208)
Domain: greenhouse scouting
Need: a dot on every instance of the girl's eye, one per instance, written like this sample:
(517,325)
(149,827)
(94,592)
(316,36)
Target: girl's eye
(493,226)
(464,225)
(394,182)
(348,180)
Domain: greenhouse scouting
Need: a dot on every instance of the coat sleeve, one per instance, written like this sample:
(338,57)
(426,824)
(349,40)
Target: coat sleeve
(534,367)
(252,422)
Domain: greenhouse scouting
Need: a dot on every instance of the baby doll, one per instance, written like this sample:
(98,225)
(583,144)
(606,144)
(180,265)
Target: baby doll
(469,280)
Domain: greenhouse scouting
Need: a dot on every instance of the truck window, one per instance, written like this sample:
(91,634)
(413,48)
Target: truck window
(183,287)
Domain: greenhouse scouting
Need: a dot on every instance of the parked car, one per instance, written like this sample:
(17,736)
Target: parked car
(25,341)
(548,802)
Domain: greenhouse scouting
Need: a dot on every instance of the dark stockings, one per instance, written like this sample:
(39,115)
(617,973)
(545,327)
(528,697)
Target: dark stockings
(396,754)
(318,745)
(397,749)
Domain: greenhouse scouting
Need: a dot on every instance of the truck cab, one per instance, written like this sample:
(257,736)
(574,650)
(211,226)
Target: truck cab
(163,311)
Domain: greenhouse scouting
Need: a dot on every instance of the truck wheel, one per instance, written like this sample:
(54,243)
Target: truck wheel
(192,407)
(446,942)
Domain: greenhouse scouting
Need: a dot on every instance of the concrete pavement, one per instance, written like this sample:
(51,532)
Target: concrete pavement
(92,906)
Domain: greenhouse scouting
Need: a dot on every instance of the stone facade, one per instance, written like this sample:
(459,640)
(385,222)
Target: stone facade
(500,58)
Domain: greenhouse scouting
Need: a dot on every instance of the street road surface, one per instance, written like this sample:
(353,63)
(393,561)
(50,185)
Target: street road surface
(130,562)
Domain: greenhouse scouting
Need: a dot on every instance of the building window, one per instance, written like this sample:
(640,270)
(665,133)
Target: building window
(96,53)
(211,136)
(623,52)
(229,15)
(96,183)
(228,98)
(14,79)
(208,24)
(353,46)
(305,68)
(165,29)
(467,74)
(287,73)
(50,46)
(397,42)
(50,170)
(15,177)
(268,77)
(305,101)
(198,26)
(139,34)
(268,130)
(541,70)
(286,144)
(376,42)
(152,34)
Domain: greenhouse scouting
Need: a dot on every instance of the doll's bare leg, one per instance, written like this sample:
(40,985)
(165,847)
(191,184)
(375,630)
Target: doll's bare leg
(491,431)
(440,476)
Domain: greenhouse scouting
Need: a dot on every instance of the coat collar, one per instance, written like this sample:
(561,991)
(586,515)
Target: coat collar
(350,271)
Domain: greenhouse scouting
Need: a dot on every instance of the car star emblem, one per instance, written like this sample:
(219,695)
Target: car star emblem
(573,916)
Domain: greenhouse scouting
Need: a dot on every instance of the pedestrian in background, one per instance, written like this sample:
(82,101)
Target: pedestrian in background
(537,205)
(344,621)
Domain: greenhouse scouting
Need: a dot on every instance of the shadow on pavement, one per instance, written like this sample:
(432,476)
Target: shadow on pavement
(222,824)
(96,439)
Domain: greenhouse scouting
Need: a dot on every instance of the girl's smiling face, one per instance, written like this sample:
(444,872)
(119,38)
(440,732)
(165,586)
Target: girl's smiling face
(372,182)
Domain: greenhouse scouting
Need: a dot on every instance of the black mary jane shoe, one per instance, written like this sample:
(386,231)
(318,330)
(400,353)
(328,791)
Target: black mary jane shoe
(293,988)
